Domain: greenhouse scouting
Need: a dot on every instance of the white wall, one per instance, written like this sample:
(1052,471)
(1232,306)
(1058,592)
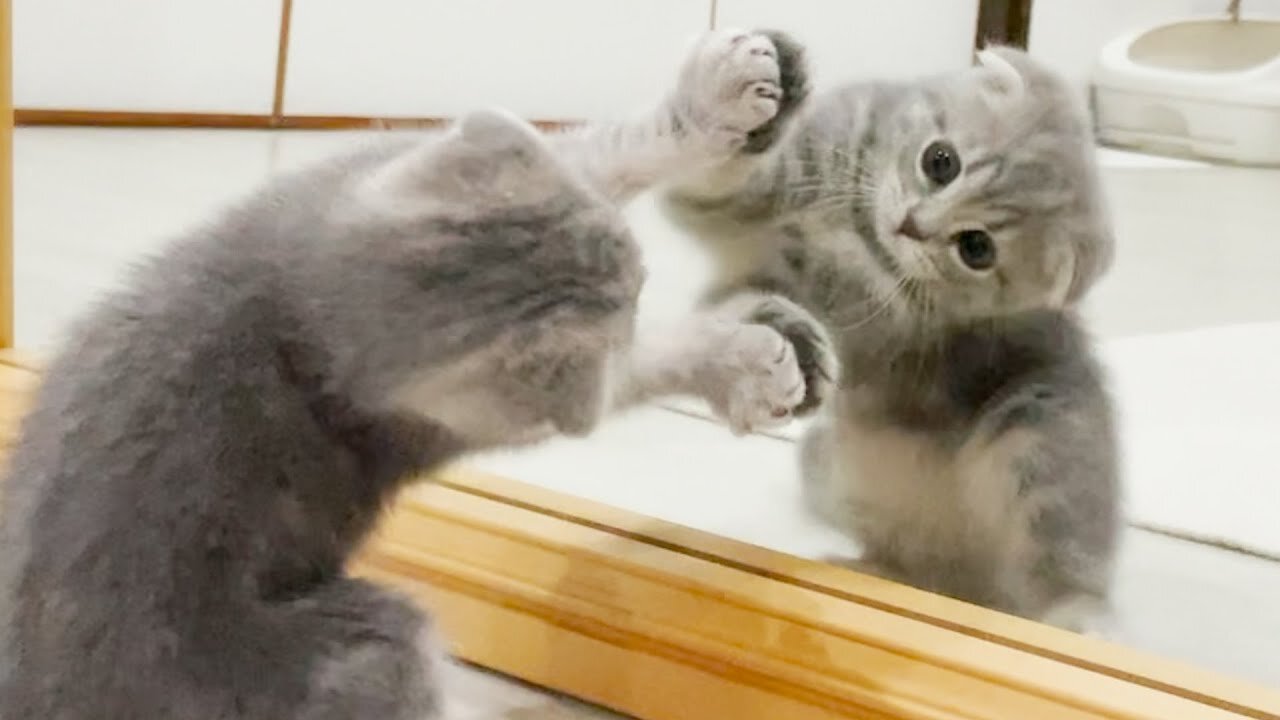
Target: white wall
(1069,34)
(867,38)
(581,58)
(544,59)
(411,58)
(176,55)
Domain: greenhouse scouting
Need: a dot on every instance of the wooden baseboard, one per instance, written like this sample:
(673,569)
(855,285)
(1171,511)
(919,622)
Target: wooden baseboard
(33,117)
(667,623)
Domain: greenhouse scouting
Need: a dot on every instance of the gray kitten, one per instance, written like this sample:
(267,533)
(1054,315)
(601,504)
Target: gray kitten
(940,234)
(214,441)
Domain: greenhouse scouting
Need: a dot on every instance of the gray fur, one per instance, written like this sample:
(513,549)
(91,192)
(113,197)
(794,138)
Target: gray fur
(214,441)
(970,445)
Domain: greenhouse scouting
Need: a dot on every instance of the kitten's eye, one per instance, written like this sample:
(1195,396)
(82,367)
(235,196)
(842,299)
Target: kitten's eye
(976,249)
(940,162)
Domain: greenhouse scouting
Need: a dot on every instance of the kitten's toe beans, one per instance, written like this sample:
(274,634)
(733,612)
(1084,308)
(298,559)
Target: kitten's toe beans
(760,103)
(793,65)
(755,71)
(793,83)
(812,348)
(757,55)
(733,83)
(765,90)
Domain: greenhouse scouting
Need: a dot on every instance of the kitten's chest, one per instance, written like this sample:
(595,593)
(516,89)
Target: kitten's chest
(889,463)
(901,478)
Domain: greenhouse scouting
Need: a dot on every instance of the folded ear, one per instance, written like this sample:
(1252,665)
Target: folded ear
(486,155)
(492,152)
(1002,82)
(1093,258)
(496,130)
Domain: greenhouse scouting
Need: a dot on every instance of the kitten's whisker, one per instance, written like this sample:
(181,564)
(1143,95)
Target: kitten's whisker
(892,295)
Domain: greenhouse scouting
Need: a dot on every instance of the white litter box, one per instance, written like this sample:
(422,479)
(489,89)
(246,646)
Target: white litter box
(1202,87)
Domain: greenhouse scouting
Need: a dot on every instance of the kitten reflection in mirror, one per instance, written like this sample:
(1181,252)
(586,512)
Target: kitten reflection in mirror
(941,232)
(214,441)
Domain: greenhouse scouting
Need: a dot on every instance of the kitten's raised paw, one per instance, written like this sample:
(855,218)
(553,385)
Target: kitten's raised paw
(793,79)
(814,351)
(734,85)
(759,382)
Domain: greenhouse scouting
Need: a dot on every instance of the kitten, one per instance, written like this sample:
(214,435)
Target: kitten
(214,441)
(941,232)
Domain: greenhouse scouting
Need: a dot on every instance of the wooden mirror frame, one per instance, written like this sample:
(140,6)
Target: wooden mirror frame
(667,623)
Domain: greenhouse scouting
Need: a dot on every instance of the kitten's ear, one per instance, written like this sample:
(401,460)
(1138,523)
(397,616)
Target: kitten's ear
(486,155)
(493,131)
(1093,260)
(487,146)
(1079,256)
(1001,81)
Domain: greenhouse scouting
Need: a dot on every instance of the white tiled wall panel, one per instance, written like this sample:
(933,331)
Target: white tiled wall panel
(850,39)
(1069,34)
(157,55)
(540,58)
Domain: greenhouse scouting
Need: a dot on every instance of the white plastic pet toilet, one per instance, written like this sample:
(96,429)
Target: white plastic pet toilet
(1203,87)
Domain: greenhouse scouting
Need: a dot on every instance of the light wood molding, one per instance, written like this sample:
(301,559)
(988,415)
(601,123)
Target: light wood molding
(35,117)
(282,59)
(6,174)
(667,623)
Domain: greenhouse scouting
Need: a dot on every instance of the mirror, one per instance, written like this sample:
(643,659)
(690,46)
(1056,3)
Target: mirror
(1186,322)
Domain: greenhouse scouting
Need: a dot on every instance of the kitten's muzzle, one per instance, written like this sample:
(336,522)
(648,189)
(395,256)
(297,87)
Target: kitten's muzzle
(910,229)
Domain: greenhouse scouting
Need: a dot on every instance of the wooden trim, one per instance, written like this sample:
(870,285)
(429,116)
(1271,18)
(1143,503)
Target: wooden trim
(6,175)
(847,589)
(667,623)
(1003,22)
(31,117)
(738,631)
(112,118)
(282,59)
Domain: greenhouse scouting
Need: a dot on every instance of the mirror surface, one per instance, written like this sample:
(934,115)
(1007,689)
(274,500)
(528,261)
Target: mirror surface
(1186,324)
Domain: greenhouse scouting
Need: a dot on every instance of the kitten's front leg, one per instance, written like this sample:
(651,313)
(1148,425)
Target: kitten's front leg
(746,369)
(735,91)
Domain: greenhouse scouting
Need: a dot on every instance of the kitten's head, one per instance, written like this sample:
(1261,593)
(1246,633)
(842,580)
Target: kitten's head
(989,202)
(485,286)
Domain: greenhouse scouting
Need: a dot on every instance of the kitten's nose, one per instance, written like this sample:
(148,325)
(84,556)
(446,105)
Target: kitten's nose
(910,228)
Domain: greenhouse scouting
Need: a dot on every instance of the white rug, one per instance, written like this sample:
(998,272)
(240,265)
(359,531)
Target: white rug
(1200,423)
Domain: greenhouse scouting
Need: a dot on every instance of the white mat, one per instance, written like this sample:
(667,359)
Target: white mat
(1200,423)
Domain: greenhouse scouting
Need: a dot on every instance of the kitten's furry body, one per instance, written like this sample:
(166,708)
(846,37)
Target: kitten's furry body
(214,441)
(969,445)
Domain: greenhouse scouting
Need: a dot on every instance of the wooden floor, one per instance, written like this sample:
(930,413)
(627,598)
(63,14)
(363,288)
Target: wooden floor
(477,694)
